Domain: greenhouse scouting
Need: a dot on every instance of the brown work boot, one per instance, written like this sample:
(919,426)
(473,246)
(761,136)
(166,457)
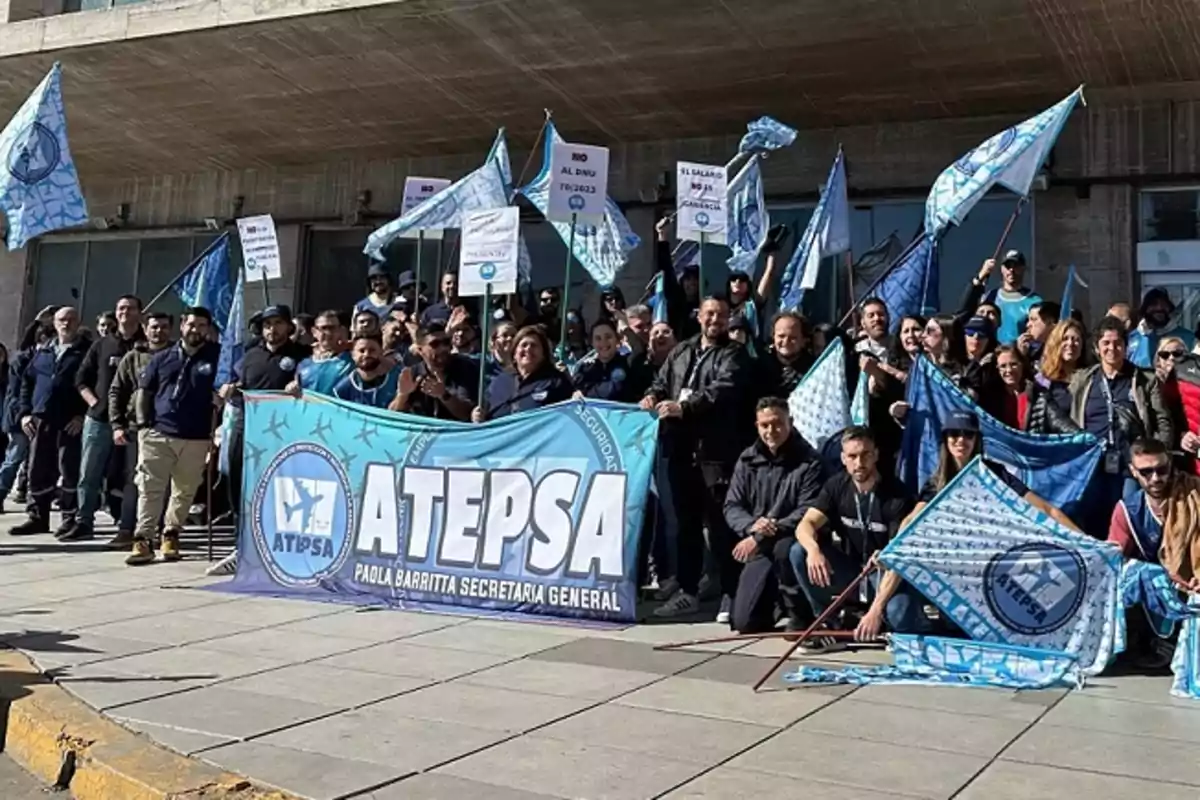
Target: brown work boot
(170,546)
(121,541)
(141,554)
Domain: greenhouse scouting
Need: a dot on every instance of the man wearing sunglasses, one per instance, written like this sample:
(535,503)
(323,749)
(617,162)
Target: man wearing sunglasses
(1156,314)
(1157,523)
(442,385)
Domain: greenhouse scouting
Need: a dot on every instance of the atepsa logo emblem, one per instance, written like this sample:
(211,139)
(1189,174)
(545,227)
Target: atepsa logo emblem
(303,515)
(1035,588)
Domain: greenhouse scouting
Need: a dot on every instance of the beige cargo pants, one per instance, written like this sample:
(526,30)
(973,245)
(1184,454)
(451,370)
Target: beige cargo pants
(163,462)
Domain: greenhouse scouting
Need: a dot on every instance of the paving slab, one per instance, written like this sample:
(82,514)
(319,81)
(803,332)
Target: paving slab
(868,765)
(168,629)
(260,612)
(105,689)
(1146,757)
(561,679)
(482,707)
(1005,780)
(193,661)
(747,670)
(1081,710)
(924,728)
(726,783)
(623,655)
(679,737)
(409,660)
(312,775)
(181,741)
(434,786)
(543,765)
(1152,689)
(703,698)
(340,688)
(957,699)
(367,734)
(65,649)
(225,712)
(372,625)
(496,638)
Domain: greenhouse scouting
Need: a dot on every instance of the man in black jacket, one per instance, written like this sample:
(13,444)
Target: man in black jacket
(775,481)
(52,416)
(702,395)
(93,381)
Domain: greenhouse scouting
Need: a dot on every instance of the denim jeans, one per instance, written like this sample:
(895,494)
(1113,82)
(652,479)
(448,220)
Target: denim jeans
(904,613)
(14,458)
(97,445)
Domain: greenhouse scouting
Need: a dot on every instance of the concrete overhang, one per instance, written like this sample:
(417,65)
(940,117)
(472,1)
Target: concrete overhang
(164,87)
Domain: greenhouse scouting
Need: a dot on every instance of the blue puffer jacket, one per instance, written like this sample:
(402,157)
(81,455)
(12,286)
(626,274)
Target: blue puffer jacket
(11,419)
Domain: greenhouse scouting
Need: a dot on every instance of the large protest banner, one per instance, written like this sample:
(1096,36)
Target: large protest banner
(536,513)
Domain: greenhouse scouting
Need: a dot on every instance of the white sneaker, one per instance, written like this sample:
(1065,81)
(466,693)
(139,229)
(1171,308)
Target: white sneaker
(679,604)
(723,614)
(666,589)
(226,566)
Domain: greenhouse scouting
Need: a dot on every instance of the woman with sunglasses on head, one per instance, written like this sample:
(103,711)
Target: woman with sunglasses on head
(962,441)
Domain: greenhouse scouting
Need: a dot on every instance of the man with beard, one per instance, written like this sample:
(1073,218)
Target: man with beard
(94,379)
(382,292)
(330,360)
(123,408)
(1157,523)
(442,385)
(1013,298)
(374,380)
(1155,325)
(702,395)
(177,401)
(51,413)
(269,366)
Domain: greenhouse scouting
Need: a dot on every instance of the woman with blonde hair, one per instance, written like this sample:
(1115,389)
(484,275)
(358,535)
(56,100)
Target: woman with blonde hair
(1049,393)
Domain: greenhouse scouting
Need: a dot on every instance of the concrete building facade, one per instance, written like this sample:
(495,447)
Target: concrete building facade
(186,113)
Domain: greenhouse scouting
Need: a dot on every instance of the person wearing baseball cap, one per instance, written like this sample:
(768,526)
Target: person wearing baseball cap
(382,292)
(1154,326)
(1013,298)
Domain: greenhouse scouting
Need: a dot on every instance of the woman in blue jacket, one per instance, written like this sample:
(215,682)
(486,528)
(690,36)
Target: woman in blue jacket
(533,382)
(604,374)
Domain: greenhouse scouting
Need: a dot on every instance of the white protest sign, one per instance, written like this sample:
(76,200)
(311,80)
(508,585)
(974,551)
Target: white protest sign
(488,251)
(700,202)
(417,191)
(260,248)
(578,182)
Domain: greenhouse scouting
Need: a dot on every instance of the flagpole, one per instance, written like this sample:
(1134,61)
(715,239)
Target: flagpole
(1008,228)
(420,250)
(871,289)
(566,305)
(700,260)
(483,355)
(850,281)
(191,265)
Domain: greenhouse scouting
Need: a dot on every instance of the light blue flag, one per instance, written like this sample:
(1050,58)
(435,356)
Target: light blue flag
(1068,291)
(602,250)
(748,217)
(911,286)
(206,283)
(658,300)
(827,234)
(820,403)
(233,345)
(1056,467)
(937,661)
(766,133)
(862,400)
(1185,664)
(1006,572)
(487,187)
(1010,159)
(39,188)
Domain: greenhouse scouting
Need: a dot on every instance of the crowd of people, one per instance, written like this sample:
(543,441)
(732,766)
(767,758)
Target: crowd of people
(125,416)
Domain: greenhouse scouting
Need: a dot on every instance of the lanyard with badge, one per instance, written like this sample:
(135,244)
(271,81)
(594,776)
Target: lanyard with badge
(1112,457)
(864,524)
(691,383)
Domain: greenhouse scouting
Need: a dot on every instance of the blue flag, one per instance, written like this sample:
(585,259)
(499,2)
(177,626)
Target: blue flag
(39,188)
(1069,290)
(766,133)
(1056,467)
(827,234)
(487,187)
(1011,159)
(206,283)
(537,513)
(658,300)
(233,345)
(748,217)
(911,286)
(1006,572)
(820,405)
(602,250)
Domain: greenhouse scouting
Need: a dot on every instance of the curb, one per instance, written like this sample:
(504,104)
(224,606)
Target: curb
(48,729)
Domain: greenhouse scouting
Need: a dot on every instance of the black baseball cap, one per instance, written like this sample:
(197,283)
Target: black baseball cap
(1015,257)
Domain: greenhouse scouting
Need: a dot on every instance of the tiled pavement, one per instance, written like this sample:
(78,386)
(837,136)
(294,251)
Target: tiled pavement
(329,702)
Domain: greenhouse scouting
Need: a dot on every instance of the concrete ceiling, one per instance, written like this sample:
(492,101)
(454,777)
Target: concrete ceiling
(426,77)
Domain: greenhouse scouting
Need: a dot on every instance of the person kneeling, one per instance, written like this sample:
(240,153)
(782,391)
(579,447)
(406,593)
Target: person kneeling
(853,518)
(774,481)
